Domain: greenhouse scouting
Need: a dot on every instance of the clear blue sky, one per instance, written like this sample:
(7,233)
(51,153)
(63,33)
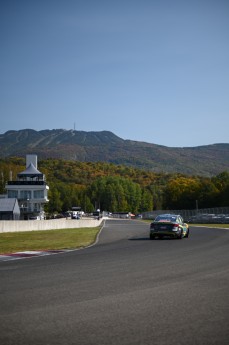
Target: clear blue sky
(154,71)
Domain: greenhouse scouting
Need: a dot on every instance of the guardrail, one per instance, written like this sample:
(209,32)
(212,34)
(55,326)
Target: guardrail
(205,215)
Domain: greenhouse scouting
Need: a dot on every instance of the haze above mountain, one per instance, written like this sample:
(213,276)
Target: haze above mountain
(105,146)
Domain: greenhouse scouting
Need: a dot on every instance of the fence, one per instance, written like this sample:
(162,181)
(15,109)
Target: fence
(204,215)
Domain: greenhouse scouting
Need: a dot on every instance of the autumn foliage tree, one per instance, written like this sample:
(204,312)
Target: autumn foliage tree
(115,194)
(119,188)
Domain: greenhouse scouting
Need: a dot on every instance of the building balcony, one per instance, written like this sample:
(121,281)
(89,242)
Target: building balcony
(33,200)
(26,183)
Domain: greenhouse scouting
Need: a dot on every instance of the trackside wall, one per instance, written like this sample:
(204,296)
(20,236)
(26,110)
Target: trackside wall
(204,215)
(52,224)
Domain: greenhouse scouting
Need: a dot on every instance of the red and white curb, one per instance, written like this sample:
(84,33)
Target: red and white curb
(29,254)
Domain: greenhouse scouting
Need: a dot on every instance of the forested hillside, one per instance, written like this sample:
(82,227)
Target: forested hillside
(120,188)
(105,146)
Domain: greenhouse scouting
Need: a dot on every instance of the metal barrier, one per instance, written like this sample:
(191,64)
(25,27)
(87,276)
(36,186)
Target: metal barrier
(205,215)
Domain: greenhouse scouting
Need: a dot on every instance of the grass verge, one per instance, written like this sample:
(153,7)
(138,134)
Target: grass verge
(47,240)
(225,226)
(190,224)
(212,225)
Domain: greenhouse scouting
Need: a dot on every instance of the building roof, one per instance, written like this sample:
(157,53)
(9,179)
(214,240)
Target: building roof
(8,204)
(30,171)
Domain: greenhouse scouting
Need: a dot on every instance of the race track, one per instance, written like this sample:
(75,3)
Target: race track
(125,289)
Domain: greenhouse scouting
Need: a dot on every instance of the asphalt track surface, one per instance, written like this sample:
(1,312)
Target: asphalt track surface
(123,290)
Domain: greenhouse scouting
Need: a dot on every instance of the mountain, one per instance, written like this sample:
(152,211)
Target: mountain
(105,146)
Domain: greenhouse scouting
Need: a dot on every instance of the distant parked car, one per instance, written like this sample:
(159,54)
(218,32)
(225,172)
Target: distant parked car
(75,215)
(34,218)
(169,225)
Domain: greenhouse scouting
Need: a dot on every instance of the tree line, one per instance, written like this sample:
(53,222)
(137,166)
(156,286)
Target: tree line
(119,188)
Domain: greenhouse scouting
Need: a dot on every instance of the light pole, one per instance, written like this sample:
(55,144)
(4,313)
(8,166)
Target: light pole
(196,206)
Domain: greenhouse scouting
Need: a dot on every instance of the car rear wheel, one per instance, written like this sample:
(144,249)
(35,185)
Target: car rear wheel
(181,235)
(186,236)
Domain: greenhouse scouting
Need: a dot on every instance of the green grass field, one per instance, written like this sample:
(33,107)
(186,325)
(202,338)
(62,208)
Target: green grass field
(47,240)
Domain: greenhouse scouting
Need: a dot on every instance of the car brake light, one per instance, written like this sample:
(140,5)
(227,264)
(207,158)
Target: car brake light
(175,227)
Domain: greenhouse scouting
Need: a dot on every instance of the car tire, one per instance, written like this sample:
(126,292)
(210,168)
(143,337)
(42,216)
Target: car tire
(181,235)
(186,236)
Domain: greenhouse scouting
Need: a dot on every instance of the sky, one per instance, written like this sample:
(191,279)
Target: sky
(155,71)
